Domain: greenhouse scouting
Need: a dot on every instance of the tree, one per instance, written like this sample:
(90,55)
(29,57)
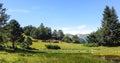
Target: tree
(54,35)
(3,19)
(111,33)
(28,29)
(15,32)
(48,33)
(27,42)
(3,16)
(35,33)
(60,34)
(75,39)
(67,39)
(95,37)
(42,32)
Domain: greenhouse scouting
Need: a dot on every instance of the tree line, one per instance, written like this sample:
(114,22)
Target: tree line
(43,33)
(109,32)
(12,32)
(107,35)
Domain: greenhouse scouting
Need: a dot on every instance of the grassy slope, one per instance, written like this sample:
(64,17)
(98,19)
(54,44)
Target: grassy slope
(77,48)
(69,53)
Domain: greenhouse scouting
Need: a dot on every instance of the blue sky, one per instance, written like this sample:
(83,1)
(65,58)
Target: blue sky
(72,16)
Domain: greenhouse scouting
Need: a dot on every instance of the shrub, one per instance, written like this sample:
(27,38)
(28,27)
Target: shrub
(27,43)
(91,45)
(50,46)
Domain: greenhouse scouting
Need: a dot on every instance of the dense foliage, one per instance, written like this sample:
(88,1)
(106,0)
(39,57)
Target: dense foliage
(51,46)
(27,43)
(3,21)
(3,16)
(43,33)
(71,39)
(109,33)
(15,32)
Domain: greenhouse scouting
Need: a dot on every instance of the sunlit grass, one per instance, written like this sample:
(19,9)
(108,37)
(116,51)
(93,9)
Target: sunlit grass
(69,53)
(77,48)
(49,58)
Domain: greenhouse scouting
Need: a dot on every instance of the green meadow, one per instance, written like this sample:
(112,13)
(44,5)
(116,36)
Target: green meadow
(69,53)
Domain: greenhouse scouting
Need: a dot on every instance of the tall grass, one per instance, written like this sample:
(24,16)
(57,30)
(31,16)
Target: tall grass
(49,58)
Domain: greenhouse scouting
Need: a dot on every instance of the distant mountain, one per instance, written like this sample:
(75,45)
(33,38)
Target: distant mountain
(83,35)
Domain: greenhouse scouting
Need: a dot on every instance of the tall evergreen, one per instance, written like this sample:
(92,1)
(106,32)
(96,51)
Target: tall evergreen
(15,32)
(109,33)
(110,27)
(48,33)
(60,34)
(55,35)
(3,16)
(3,20)
(42,33)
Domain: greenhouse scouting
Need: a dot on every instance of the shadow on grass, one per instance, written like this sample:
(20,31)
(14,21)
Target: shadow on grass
(18,50)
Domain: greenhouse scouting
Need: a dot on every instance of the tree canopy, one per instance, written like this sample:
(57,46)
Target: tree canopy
(15,32)
(109,33)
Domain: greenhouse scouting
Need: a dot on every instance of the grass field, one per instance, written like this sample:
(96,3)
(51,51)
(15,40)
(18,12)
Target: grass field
(69,53)
(77,48)
(49,58)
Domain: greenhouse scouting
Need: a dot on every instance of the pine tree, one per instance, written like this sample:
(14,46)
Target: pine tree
(48,33)
(54,35)
(42,33)
(110,27)
(15,32)
(3,16)
(60,34)
(109,33)
(3,20)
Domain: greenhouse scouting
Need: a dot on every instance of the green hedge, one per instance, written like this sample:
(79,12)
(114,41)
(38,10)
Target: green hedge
(51,46)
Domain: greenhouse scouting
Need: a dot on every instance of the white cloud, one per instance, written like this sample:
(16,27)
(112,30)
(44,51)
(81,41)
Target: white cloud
(82,29)
(19,10)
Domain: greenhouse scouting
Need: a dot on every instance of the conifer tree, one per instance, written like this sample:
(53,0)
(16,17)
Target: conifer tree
(15,32)
(110,27)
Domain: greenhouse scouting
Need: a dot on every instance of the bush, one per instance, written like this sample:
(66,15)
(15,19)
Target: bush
(91,45)
(27,43)
(50,46)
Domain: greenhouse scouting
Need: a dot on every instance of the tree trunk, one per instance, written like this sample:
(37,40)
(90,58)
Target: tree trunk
(13,45)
